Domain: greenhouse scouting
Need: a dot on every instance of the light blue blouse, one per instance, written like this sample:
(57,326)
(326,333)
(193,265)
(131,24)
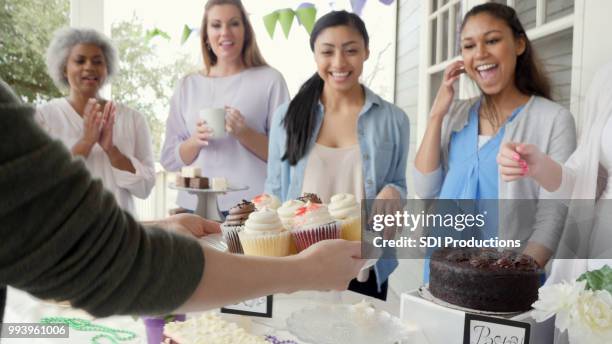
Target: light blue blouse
(383,134)
(473,173)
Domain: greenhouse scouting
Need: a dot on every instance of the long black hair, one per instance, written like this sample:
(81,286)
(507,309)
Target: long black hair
(528,76)
(300,119)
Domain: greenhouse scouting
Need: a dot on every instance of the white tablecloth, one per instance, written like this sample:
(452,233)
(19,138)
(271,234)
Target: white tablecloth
(23,308)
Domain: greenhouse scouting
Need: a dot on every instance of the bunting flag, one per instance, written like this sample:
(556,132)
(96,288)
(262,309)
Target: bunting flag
(155,32)
(358,5)
(285,18)
(270,22)
(186,33)
(306,14)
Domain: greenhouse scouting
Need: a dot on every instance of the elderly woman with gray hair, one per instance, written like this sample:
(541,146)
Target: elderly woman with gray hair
(113,139)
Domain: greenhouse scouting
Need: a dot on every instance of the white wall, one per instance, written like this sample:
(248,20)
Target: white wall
(409,274)
(592,48)
(407,69)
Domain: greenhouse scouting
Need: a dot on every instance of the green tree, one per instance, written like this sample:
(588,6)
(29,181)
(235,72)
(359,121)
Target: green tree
(26,28)
(143,83)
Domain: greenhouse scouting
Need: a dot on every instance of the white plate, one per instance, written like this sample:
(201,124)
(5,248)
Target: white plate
(345,324)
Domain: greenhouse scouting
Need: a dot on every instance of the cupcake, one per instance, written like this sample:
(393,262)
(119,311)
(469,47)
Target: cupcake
(286,212)
(313,223)
(310,197)
(346,209)
(234,223)
(264,235)
(266,200)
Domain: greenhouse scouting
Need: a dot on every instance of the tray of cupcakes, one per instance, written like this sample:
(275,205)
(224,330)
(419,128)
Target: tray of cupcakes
(265,227)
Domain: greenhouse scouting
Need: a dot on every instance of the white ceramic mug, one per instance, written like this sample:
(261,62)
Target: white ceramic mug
(215,120)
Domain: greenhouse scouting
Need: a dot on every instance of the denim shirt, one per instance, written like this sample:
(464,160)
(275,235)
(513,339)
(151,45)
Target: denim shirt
(383,134)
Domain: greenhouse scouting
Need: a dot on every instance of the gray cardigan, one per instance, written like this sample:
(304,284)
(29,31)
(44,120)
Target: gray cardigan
(543,123)
(63,237)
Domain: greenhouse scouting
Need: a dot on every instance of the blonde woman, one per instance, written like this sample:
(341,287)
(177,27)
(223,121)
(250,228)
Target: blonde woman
(236,78)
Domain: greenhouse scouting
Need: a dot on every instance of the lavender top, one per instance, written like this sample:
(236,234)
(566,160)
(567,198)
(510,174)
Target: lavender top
(256,93)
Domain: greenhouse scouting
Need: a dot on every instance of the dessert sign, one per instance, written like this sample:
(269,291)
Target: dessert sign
(481,329)
(259,307)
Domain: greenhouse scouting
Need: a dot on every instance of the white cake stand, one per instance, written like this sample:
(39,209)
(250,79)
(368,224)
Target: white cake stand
(207,206)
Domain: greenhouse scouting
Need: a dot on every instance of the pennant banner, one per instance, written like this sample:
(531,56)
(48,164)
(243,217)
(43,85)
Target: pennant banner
(306,14)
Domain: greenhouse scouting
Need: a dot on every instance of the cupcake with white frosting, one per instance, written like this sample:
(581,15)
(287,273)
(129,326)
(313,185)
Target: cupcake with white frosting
(266,201)
(345,208)
(287,210)
(264,235)
(313,223)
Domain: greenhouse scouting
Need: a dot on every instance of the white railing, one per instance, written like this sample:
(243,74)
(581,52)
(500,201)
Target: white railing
(161,199)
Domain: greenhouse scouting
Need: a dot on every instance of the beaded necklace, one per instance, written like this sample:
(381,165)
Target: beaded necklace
(111,335)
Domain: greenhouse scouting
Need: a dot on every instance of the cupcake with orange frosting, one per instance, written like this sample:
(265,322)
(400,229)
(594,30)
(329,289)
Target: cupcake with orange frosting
(345,208)
(287,210)
(264,235)
(266,201)
(313,223)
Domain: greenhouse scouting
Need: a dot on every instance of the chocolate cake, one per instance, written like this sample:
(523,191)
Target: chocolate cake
(198,183)
(484,279)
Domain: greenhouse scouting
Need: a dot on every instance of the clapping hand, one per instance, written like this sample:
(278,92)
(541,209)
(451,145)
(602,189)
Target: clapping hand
(105,139)
(92,122)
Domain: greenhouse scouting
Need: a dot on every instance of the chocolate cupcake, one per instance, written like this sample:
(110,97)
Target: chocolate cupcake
(310,197)
(234,223)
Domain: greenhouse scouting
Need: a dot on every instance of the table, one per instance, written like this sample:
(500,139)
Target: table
(22,308)
(207,200)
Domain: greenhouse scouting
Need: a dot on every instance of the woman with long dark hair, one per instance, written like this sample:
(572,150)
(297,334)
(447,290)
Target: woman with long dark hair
(336,135)
(457,156)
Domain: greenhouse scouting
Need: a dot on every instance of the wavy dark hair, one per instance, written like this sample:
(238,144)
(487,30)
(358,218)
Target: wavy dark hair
(300,119)
(528,75)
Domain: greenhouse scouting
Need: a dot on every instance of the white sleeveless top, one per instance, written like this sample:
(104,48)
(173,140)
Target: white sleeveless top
(330,171)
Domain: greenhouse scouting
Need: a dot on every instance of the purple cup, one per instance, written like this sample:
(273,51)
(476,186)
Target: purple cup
(155,326)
